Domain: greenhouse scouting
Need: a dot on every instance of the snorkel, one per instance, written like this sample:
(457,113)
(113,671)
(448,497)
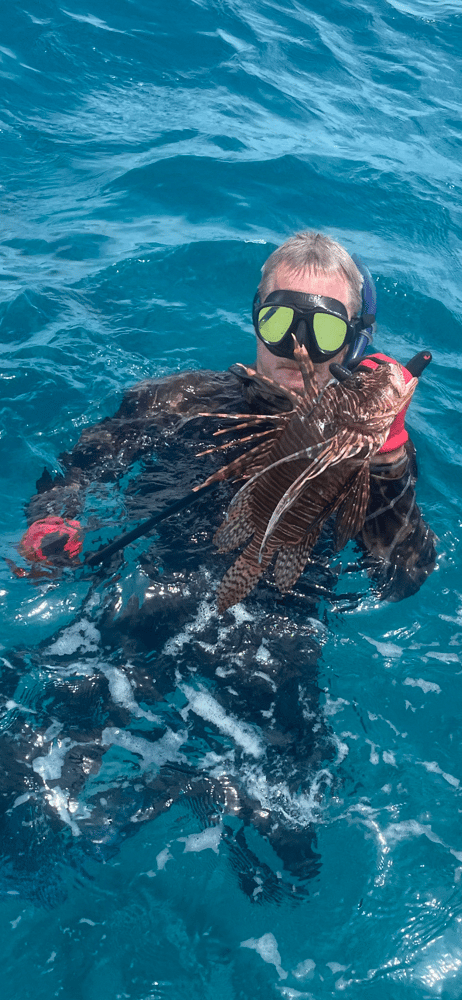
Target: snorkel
(368,313)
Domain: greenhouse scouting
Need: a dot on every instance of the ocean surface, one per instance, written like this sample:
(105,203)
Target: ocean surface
(152,156)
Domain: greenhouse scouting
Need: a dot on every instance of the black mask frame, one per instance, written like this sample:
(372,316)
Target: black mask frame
(305,307)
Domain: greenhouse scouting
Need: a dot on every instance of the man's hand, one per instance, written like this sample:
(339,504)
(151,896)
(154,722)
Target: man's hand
(51,540)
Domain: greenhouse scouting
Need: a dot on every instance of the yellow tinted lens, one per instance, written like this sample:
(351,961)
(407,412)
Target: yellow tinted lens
(330,331)
(274,322)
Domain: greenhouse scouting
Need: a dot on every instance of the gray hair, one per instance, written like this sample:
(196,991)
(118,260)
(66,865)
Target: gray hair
(310,251)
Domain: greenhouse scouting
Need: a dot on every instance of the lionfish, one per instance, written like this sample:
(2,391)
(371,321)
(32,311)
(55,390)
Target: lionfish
(312,463)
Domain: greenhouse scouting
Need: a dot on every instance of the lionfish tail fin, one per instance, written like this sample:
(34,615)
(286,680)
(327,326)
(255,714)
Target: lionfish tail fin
(238,581)
(236,528)
(291,561)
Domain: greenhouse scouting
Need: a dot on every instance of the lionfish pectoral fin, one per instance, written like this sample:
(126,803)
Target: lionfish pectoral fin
(250,461)
(292,559)
(317,465)
(329,456)
(352,509)
(256,436)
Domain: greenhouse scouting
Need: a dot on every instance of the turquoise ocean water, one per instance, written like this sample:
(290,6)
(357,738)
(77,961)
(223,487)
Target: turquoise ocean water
(152,155)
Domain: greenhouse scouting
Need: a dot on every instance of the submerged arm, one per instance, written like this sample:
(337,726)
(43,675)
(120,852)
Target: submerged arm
(105,451)
(400,544)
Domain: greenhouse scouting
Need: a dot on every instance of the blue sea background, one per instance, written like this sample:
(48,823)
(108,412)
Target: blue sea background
(152,156)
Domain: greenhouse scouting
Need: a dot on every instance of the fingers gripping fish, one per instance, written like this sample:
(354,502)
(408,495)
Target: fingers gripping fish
(311,463)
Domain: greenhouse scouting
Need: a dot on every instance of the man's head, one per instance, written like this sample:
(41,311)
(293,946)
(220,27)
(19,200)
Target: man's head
(315,265)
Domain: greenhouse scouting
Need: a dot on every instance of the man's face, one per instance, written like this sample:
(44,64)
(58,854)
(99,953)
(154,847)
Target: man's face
(285,371)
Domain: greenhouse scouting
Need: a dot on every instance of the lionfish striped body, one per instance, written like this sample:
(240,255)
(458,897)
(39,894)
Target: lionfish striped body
(313,462)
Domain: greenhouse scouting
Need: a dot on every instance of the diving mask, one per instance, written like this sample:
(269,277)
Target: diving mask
(318,323)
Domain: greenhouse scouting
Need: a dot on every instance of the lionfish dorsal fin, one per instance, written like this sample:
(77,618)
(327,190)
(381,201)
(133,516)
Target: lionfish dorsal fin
(307,371)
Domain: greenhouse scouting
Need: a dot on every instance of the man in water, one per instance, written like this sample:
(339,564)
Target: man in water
(399,544)
(219,711)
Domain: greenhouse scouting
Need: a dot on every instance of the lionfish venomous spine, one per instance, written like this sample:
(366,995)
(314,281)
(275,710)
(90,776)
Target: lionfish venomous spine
(311,463)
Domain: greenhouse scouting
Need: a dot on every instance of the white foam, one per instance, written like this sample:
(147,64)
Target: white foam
(51,732)
(296,808)
(444,657)
(214,761)
(205,613)
(264,677)
(78,668)
(435,768)
(50,766)
(305,969)
(388,649)
(267,948)
(209,839)
(152,754)
(290,994)
(450,618)
(162,859)
(374,718)
(64,806)
(241,614)
(208,647)
(122,692)
(81,635)
(21,798)
(225,672)
(263,655)
(342,750)
(334,705)
(408,829)
(204,705)
(426,686)
(373,757)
